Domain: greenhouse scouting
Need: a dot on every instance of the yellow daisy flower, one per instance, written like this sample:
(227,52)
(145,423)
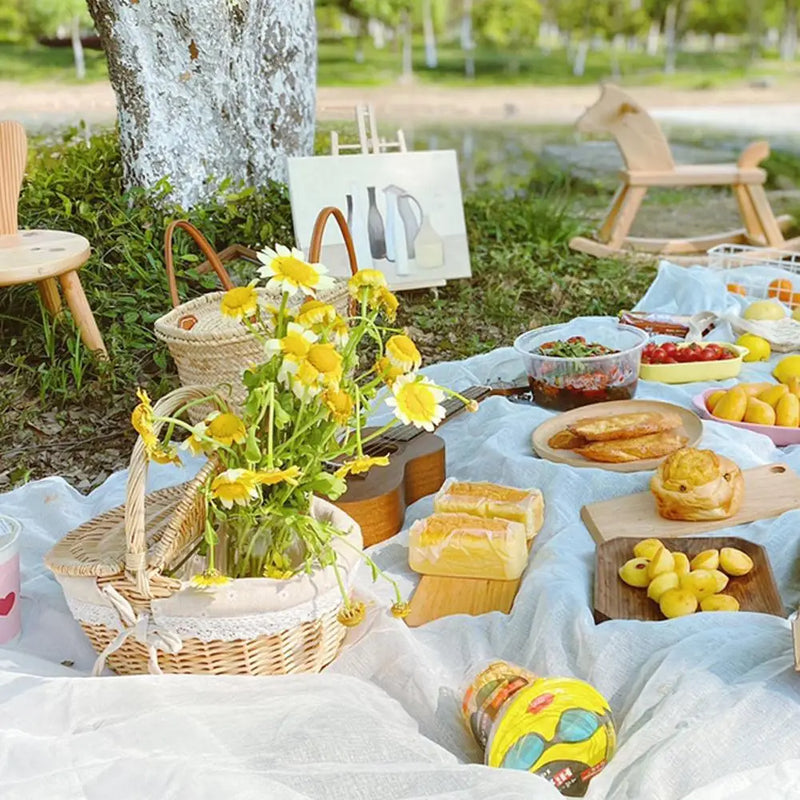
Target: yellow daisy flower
(361,464)
(294,345)
(194,443)
(315,312)
(326,361)
(352,616)
(163,455)
(386,302)
(143,419)
(302,377)
(339,403)
(269,477)
(416,401)
(340,332)
(371,279)
(401,610)
(209,578)
(288,271)
(403,353)
(388,371)
(239,302)
(225,428)
(234,486)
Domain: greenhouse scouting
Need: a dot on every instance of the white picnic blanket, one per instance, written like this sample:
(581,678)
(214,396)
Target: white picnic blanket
(706,706)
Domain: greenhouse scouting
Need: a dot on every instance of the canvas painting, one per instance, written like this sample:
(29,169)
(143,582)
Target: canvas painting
(404,211)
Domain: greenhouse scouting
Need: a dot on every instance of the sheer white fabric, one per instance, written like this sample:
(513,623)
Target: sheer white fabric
(706,706)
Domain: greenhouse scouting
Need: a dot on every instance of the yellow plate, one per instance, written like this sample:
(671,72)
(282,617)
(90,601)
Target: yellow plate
(695,371)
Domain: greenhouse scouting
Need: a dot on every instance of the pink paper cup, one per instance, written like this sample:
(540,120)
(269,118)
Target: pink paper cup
(10,617)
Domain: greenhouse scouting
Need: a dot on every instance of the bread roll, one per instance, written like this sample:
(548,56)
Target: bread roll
(697,485)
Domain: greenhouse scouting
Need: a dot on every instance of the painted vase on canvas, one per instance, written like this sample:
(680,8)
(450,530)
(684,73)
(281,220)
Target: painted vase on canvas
(428,246)
(377,236)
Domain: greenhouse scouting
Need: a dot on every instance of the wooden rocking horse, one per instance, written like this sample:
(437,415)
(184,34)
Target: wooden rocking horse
(648,162)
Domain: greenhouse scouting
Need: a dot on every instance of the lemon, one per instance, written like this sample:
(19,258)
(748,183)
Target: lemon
(764,309)
(759,348)
(787,369)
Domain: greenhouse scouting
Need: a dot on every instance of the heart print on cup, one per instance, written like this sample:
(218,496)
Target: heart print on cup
(10,617)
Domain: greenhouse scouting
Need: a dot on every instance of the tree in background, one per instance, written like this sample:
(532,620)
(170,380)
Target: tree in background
(509,24)
(12,22)
(55,18)
(209,89)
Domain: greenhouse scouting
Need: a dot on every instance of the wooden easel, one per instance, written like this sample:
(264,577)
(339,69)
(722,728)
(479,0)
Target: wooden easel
(368,142)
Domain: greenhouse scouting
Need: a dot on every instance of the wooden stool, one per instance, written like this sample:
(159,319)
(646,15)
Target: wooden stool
(649,163)
(43,257)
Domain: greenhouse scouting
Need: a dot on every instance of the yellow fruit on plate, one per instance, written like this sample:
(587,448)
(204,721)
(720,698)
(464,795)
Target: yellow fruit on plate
(787,411)
(764,310)
(759,348)
(773,394)
(732,405)
(677,603)
(796,314)
(714,398)
(662,583)
(788,367)
(719,602)
(646,548)
(700,582)
(754,389)
(759,412)
(734,561)
(662,561)
(634,572)
(794,386)
(721,579)
(708,559)
(681,563)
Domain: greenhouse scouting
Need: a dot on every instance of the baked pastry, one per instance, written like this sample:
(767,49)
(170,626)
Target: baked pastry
(566,440)
(617,451)
(624,426)
(467,546)
(494,501)
(697,485)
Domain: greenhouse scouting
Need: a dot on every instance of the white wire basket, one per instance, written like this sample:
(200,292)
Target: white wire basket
(772,274)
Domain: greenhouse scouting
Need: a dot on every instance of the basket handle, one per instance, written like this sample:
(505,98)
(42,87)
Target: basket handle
(319,229)
(135,534)
(208,252)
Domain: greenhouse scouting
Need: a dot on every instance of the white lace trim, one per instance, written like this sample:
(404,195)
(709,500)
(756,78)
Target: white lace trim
(209,629)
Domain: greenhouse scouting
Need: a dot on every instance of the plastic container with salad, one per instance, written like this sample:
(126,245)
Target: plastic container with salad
(587,360)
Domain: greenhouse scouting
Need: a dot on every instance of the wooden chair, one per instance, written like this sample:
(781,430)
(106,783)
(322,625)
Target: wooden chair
(43,257)
(648,162)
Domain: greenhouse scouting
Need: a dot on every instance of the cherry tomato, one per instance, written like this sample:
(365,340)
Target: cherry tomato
(669,348)
(658,356)
(708,354)
(670,360)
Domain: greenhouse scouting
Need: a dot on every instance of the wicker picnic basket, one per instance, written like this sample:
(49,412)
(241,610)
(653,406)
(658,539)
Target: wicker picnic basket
(125,577)
(210,349)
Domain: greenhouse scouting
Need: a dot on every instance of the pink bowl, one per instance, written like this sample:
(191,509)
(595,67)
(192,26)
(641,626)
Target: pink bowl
(781,436)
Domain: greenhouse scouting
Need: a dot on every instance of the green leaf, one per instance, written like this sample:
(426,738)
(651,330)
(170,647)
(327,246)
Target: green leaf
(252,452)
(328,484)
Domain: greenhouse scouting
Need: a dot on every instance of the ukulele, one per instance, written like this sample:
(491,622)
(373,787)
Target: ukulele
(377,500)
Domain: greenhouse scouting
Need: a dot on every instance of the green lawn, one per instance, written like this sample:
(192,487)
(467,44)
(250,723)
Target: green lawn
(338,66)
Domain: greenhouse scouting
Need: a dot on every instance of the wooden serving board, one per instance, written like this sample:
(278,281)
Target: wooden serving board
(614,599)
(437,596)
(769,491)
(691,427)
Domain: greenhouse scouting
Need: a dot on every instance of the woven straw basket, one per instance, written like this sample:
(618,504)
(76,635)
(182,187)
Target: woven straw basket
(125,578)
(211,349)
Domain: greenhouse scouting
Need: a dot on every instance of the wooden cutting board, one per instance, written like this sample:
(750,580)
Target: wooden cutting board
(614,599)
(769,491)
(437,596)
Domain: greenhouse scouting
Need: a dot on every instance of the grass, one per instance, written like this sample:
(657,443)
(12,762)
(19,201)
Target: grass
(338,66)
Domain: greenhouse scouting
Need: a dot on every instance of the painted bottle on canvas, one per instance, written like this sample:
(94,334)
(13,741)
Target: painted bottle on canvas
(428,246)
(357,222)
(375,229)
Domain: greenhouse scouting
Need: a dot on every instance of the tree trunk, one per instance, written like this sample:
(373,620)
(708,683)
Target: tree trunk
(789,35)
(467,42)
(670,37)
(408,61)
(429,33)
(77,48)
(208,90)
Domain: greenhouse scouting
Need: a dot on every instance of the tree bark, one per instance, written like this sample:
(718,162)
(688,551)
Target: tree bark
(670,38)
(429,34)
(789,35)
(467,42)
(77,48)
(208,90)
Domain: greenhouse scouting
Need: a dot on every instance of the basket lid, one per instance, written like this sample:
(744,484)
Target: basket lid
(98,547)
